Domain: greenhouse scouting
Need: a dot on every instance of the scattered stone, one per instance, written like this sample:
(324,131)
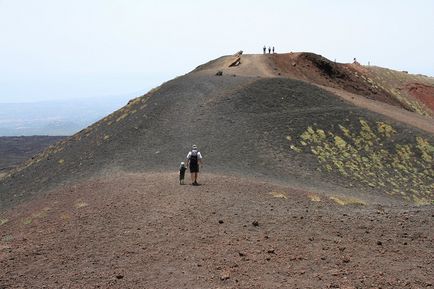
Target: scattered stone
(241,254)
(225,275)
(236,62)
(255,223)
(219,73)
(379,243)
(221,222)
(346,260)
(271,251)
(119,276)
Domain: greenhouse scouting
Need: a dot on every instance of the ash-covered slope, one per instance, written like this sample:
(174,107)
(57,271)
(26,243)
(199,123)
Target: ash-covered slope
(250,121)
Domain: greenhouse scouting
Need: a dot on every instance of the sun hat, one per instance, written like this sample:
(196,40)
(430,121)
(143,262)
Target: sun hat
(194,147)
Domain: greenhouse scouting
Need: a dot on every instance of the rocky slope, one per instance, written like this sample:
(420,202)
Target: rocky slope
(253,121)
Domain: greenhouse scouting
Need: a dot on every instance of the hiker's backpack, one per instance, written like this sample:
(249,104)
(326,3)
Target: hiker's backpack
(193,156)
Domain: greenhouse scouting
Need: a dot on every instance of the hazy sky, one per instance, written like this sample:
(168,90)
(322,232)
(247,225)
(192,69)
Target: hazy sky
(54,49)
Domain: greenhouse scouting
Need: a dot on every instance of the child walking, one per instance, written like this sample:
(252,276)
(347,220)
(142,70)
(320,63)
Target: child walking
(182,169)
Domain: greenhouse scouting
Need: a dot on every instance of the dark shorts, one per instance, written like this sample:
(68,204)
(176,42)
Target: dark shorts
(194,168)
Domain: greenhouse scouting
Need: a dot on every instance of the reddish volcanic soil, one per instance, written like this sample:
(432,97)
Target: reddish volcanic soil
(146,231)
(423,93)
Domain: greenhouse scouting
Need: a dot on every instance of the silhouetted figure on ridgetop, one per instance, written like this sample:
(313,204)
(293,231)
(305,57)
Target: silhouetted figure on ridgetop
(269,49)
(265,49)
(273,49)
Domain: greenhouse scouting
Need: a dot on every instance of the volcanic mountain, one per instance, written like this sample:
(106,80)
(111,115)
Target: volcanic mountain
(309,147)
(297,118)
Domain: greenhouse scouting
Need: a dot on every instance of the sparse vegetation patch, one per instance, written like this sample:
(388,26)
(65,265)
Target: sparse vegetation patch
(370,155)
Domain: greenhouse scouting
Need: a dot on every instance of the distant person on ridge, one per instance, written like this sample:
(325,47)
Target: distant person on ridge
(194,158)
(273,49)
(265,49)
(269,49)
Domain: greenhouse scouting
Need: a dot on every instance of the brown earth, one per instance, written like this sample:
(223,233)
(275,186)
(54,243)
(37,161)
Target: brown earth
(423,93)
(146,231)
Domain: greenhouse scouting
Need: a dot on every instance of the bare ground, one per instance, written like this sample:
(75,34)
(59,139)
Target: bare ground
(146,231)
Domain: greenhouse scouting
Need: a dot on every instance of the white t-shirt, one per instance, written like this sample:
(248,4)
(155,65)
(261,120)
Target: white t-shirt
(199,156)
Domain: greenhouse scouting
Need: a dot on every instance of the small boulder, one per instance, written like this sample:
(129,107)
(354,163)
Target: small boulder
(225,275)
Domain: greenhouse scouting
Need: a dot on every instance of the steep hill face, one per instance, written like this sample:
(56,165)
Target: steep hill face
(256,121)
(14,150)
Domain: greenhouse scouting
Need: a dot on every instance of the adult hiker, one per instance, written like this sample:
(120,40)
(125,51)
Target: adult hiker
(265,49)
(273,49)
(269,50)
(194,159)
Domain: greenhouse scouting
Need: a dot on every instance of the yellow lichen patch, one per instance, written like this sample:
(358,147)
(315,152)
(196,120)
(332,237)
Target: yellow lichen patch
(7,238)
(385,129)
(65,216)
(426,149)
(339,142)
(343,201)
(422,201)
(279,195)
(40,214)
(314,197)
(122,117)
(80,204)
(3,221)
(106,137)
(134,101)
(288,138)
(27,221)
(371,157)
(61,161)
(294,148)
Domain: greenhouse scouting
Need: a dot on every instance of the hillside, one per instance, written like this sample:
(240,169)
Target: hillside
(253,121)
(14,150)
(314,177)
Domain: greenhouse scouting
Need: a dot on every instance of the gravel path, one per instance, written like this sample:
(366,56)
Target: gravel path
(146,231)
